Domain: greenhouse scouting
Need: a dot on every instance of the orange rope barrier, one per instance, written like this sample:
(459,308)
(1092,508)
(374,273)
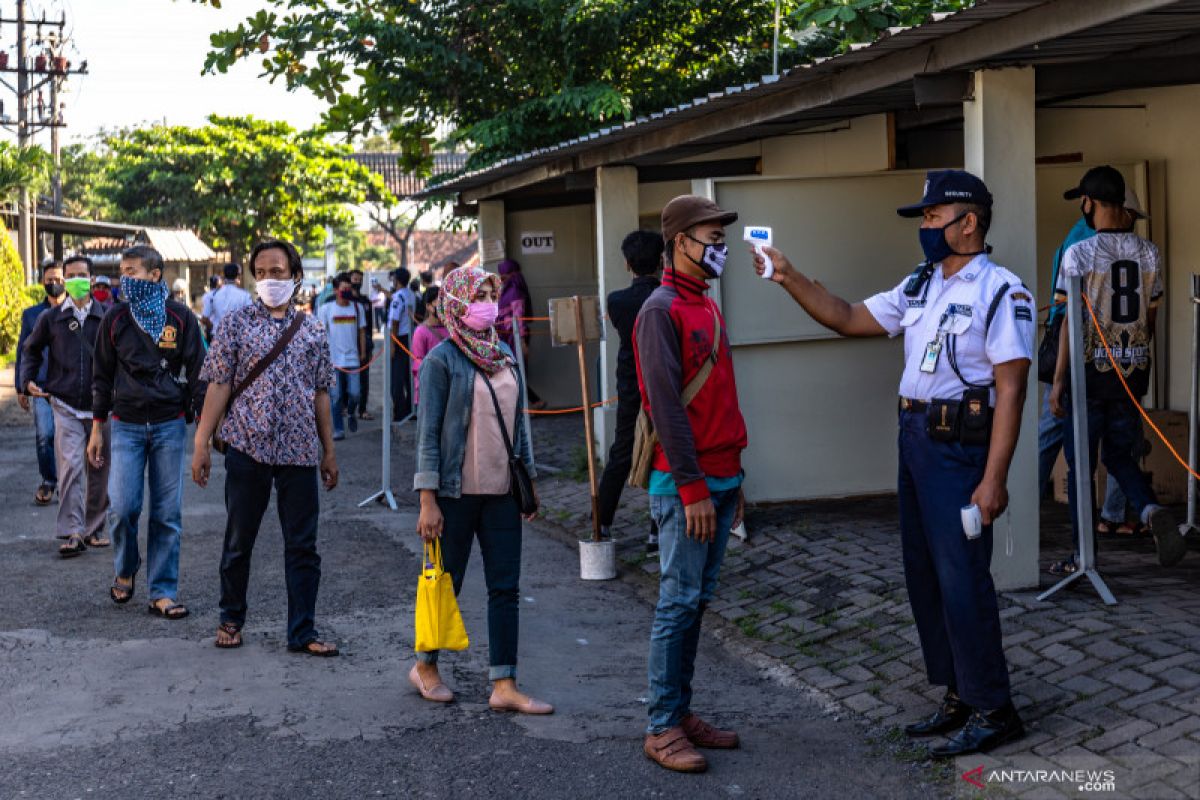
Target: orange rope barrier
(575,410)
(1136,403)
(363,368)
(400,344)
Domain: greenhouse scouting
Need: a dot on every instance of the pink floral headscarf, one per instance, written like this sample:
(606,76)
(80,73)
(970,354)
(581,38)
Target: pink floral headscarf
(458,291)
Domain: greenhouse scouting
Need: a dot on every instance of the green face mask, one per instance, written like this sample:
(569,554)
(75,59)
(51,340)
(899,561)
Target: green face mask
(78,288)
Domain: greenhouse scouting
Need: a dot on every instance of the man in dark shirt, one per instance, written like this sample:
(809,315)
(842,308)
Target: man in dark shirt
(43,415)
(643,257)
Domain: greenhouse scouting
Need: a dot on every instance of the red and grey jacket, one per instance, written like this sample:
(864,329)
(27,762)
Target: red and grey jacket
(672,340)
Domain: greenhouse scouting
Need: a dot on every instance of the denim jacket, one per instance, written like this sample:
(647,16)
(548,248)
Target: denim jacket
(447,381)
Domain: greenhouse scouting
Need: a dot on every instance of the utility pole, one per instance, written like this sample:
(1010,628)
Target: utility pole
(46,69)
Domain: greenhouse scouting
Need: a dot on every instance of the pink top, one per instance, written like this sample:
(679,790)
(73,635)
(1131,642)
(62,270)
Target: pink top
(424,339)
(485,463)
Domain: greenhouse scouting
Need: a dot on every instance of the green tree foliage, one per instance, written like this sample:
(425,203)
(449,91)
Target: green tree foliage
(846,22)
(26,167)
(13,299)
(237,180)
(84,178)
(519,74)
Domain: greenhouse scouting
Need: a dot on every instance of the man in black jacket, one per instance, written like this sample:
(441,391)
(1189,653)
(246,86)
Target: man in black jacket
(643,257)
(147,377)
(68,334)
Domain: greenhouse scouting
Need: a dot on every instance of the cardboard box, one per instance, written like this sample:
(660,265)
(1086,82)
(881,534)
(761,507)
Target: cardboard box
(1168,478)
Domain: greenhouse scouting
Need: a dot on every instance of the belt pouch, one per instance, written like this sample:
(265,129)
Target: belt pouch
(975,417)
(942,420)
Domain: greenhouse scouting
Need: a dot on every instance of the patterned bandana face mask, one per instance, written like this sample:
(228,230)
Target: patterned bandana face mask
(147,303)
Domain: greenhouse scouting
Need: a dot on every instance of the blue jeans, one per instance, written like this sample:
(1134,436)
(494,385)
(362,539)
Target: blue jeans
(344,398)
(1050,440)
(1117,424)
(688,571)
(247,495)
(158,449)
(43,428)
(496,521)
(948,575)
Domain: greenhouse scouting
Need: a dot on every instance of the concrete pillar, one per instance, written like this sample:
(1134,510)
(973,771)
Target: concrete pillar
(491,226)
(998,131)
(616,216)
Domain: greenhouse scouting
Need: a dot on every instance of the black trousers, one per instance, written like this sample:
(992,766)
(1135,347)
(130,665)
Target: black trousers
(247,494)
(620,459)
(401,380)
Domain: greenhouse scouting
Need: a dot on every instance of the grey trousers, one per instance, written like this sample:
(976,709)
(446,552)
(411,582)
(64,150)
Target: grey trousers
(80,510)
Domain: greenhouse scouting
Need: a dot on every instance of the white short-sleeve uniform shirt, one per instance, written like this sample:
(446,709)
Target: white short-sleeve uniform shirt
(955,310)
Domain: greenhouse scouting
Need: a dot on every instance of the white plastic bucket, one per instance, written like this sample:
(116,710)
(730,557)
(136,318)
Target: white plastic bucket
(597,560)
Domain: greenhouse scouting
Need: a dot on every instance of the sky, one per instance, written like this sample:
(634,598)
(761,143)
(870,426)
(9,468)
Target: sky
(144,61)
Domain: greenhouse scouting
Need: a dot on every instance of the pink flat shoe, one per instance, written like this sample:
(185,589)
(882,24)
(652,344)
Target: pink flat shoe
(438,693)
(530,706)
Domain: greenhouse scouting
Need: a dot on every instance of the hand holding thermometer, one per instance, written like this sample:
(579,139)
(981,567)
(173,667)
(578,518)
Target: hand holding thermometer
(759,235)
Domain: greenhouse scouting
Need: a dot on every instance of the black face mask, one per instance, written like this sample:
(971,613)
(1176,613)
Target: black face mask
(55,289)
(1089,217)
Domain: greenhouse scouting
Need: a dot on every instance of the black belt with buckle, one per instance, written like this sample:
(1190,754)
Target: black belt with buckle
(917,406)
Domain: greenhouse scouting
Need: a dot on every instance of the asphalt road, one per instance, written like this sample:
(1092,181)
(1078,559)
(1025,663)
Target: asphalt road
(99,700)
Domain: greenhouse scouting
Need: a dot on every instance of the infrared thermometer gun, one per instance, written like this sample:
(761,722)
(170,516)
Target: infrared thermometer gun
(759,235)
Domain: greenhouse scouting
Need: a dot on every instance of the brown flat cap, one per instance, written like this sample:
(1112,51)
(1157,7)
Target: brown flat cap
(687,210)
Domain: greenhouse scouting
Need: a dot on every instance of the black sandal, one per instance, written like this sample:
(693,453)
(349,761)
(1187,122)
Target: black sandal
(323,649)
(168,611)
(233,631)
(1063,568)
(126,590)
(73,547)
(96,540)
(44,495)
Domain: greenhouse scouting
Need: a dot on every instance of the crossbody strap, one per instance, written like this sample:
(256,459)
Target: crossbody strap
(499,414)
(261,365)
(700,378)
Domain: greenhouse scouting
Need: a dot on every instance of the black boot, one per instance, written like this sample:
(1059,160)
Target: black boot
(984,731)
(951,716)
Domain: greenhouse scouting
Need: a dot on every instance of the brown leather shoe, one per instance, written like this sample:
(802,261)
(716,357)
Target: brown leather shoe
(701,734)
(672,750)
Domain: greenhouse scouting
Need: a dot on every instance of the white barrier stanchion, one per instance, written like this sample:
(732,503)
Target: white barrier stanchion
(1193,410)
(1083,461)
(385,493)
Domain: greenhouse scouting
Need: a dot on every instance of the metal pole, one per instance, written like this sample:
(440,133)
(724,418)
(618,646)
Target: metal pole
(775,49)
(587,416)
(520,356)
(24,227)
(1194,409)
(385,493)
(1083,459)
(56,178)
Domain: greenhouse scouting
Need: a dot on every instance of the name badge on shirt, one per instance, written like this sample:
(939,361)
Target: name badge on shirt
(933,351)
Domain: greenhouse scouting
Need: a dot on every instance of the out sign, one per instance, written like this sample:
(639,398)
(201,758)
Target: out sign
(537,242)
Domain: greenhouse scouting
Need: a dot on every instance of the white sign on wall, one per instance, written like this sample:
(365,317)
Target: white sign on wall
(537,242)
(492,250)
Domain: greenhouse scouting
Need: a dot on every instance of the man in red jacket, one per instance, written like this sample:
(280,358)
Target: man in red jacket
(696,484)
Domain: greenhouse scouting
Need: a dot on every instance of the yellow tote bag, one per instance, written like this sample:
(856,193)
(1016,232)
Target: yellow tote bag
(439,625)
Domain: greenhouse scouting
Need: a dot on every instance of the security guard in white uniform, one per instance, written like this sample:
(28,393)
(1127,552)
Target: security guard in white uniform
(968,328)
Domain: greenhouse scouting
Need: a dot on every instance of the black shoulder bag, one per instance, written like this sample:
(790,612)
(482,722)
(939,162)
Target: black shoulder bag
(522,484)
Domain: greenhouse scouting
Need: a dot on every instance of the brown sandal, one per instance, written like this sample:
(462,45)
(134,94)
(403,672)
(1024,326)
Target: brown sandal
(96,540)
(169,610)
(44,495)
(73,547)
(233,633)
(316,647)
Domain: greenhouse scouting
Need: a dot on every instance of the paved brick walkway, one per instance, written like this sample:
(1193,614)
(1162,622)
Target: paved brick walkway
(820,588)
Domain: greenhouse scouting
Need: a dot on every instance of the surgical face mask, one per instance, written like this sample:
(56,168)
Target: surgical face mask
(54,289)
(101,293)
(713,259)
(481,316)
(78,288)
(275,293)
(934,244)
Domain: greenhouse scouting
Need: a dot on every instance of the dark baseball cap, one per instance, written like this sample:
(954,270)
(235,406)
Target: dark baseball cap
(1100,183)
(944,186)
(688,210)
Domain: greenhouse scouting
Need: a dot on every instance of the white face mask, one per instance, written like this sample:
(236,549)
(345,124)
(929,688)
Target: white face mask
(275,293)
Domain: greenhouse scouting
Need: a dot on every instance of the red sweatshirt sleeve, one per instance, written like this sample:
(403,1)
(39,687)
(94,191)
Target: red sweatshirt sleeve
(662,381)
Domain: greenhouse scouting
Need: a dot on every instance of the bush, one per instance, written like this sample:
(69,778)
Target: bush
(13,298)
(34,293)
